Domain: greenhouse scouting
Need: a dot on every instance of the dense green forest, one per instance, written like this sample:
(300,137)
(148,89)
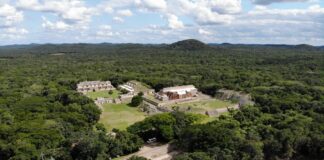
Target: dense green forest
(43,117)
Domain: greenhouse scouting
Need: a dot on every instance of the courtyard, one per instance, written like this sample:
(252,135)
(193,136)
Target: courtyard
(201,106)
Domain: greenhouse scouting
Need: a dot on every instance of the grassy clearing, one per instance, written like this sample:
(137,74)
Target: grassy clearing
(104,94)
(120,116)
(57,54)
(204,105)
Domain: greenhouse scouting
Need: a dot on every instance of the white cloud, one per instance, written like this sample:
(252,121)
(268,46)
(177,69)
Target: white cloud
(105,27)
(13,33)
(59,25)
(113,4)
(19,31)
(125,12)
(72,13)
(210,20)
(152,5)
(174,22)
(313,14)
(269,25)
(259,25)
(9,16)
(226,7)
(147,5)
(267,2)
(204,15)
(77,14)
(118,19)
(29,4)
(204,32)
(2,2)
(207,12)
(105,32)
(108,9)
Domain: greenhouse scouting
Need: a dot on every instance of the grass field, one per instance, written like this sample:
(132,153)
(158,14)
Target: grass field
(203,105)
(120,116)
(104,94)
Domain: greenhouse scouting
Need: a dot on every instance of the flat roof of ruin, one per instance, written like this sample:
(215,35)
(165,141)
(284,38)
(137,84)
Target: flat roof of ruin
(179,88)
(92,82)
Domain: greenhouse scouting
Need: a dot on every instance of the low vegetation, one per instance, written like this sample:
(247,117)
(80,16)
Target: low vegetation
(137,100)
(165,127)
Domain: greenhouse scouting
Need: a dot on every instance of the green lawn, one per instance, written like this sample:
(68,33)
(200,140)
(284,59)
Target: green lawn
(120,116)
(204,105)
(104,94)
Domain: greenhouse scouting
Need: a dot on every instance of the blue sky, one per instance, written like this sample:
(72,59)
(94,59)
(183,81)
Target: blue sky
(162,21)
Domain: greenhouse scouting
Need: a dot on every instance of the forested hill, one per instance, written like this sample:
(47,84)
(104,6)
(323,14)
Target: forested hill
(43,117)
(190,44)
(322,47)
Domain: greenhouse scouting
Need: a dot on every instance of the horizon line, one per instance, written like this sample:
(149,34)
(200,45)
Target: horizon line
(121,43)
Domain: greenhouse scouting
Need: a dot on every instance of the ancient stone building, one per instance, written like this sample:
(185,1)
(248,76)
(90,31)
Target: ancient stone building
(241,98)
(178,92)
(92,86)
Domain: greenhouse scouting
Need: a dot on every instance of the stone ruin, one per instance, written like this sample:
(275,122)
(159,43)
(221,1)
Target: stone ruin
(152,109)
(241,98)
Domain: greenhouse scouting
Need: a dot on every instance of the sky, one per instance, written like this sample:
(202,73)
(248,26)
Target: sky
(162,21)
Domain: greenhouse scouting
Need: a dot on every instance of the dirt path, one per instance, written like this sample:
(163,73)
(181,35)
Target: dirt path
(154,152)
